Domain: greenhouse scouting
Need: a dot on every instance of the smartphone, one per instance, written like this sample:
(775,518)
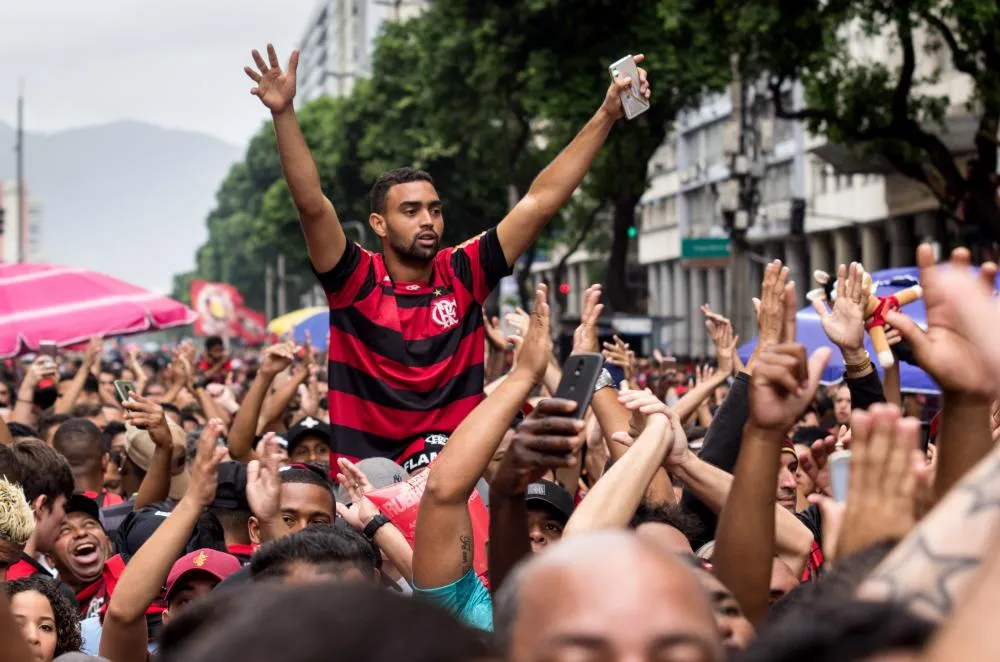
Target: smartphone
(839,464)
(632,100)
(47,348)
(579,376)
(124,390)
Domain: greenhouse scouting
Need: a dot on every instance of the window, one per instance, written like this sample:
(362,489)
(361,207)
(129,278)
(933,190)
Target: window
(701,208)
(693,147)
(777,184)
(713,143)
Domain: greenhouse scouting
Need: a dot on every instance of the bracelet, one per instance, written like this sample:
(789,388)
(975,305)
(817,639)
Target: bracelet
(860,365)
(859,370)
(374,525)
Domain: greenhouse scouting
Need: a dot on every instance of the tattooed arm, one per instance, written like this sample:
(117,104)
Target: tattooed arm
(935,564)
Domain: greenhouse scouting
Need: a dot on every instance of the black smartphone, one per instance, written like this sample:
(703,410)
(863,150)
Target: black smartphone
(579,376)
(124,390)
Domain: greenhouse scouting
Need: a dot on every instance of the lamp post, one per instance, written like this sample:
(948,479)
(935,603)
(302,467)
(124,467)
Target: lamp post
(739,200)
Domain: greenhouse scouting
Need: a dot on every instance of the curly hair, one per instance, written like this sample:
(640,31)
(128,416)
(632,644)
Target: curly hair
(68,639)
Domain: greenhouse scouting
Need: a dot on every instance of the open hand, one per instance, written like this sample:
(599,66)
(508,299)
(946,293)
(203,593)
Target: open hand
(494,334)
(275,88)
(845,326)
(263,482)
(947,350)
(362,510)
(585,337)
(145,414)
(276,358)
(205,468)
(536,350)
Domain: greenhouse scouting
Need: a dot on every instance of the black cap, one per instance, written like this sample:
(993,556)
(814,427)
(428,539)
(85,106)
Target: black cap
(553,496)
(308,427)
(81,503)
(231,493)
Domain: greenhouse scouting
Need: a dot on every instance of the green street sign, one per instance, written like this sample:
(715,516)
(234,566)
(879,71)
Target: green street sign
(705,248)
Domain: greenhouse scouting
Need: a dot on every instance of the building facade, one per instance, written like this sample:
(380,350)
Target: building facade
(21,234)
(855,210)
(336,49)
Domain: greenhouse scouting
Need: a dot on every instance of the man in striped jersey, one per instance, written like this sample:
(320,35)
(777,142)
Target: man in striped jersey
(406,330)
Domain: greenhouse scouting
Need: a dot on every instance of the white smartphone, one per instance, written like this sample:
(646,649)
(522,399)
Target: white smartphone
(632,101)
(839,465)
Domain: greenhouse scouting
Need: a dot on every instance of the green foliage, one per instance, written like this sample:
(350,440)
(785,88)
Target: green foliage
(482,95)
(884,103)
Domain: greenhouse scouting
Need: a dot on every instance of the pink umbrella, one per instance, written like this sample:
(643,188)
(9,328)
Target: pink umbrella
(69,306)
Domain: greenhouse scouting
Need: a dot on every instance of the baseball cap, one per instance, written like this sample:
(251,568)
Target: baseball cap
(81,503)
(308,427)
(546,493)
(139,448)
(208,561)
(231,493)
(380,471)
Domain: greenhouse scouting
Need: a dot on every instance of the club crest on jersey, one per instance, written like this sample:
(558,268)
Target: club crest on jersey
(444,312)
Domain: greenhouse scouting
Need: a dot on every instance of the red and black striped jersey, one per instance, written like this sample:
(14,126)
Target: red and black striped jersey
(406,359)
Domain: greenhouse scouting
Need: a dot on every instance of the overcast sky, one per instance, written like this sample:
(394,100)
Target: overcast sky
(174,63)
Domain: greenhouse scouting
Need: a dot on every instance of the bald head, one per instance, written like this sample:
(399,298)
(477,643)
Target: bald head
(609,594)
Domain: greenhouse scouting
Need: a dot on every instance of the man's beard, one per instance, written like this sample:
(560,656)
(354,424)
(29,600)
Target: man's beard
(413,252)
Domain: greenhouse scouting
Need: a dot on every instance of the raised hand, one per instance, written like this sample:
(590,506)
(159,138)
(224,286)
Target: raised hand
(619,354)
(519,320)
(546,440)
(771,306)
(494,334)
(92,355)
(263,482)
(947,350)
(784,381)
(145,414)
(585,337)
(612,101)
(845,325)
(641,404)
(534,354)
(275,88)
(362,510)
(205,468)
(41,368)
(276,358)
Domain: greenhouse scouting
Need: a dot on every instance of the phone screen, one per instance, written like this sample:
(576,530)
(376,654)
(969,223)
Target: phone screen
(124,390)
(47,348)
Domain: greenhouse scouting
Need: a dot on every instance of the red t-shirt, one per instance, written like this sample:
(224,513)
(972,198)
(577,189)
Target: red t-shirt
(26,567)
(406,359)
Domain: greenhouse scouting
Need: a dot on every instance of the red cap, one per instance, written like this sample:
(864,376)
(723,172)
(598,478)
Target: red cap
(217,564)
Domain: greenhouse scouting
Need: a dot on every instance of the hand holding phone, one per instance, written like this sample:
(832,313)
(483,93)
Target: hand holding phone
(579,377)
(634,102)
(48,348)
(124,390)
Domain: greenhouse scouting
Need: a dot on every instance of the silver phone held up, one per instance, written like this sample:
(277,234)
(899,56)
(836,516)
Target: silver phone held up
(839,465)
(632,100)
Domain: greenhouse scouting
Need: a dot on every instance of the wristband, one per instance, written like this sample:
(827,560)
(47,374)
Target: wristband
(372,527)
(604,381)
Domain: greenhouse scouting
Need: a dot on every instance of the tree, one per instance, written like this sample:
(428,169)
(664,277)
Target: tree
(890,110)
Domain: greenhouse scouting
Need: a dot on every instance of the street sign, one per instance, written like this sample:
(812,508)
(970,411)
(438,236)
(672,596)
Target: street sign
(705,251)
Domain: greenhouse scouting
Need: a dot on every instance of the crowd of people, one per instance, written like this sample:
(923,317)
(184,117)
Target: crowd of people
(418,491)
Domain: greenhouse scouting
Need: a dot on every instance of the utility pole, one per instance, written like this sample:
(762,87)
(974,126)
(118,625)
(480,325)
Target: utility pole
(740,199)
(22,212)
(282,282)
(269,292)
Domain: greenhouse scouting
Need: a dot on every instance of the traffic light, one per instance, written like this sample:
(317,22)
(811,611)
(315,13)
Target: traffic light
(564,289)
(632,232)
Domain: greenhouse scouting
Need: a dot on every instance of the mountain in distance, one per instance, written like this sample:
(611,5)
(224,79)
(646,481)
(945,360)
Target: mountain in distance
(128,199)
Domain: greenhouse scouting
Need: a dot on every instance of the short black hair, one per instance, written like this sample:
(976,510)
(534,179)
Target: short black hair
(67,616)
(111,430)
(245,622)
(842,631)
(669,514)
(49,419)
(319,545)
(305,473)
(22,431)
(385,181)
(212,342)
(10,469)
(79,441)
(87,410)
(44,472)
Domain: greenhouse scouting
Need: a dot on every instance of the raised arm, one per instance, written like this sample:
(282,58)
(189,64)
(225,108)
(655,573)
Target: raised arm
(555,184)
(442,545)
(275,359)
(325,237)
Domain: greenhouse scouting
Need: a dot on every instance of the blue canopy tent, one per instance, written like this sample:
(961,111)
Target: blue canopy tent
(810,333)
(318,326)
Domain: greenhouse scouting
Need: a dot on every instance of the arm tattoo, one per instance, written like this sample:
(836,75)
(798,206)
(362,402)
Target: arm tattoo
(467,553)
(929,570)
